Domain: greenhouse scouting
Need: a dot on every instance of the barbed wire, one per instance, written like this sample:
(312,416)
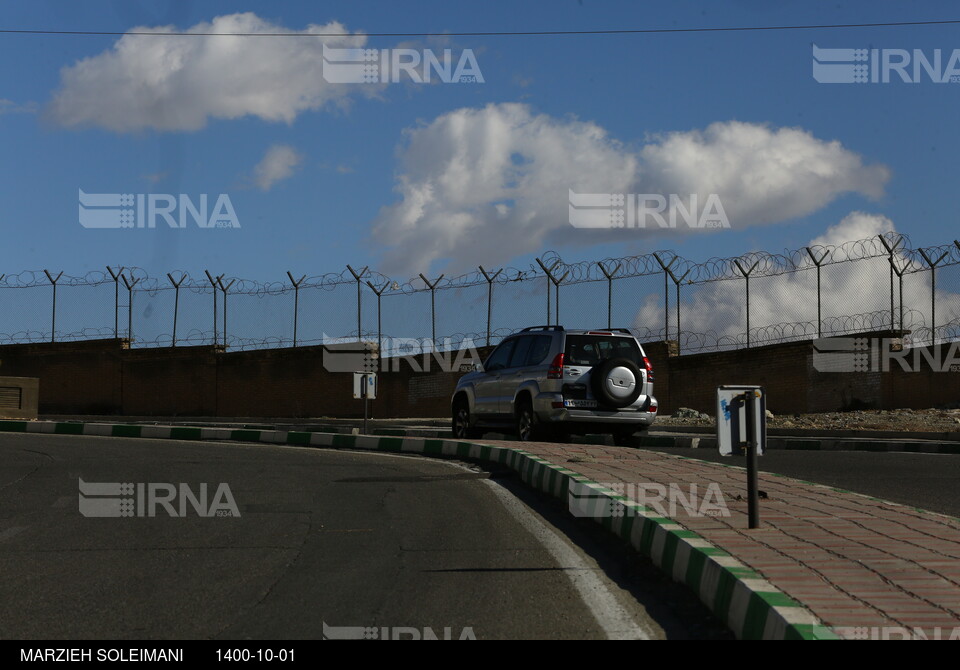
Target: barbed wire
(135,281)
(712,269)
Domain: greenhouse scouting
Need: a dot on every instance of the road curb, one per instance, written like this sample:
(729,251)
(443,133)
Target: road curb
(738,595)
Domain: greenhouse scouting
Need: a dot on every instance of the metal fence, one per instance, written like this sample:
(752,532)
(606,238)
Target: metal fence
(722,303)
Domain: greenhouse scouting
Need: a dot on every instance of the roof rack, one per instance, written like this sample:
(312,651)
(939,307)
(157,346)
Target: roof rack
(609,330)
(542,328)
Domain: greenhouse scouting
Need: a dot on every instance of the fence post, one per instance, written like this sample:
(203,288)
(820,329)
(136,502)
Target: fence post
(489,279)
(818,262)
(116,300)
(666,295)
(130,285)
(379,292)
(213,283)
(53,282)
(358,276)
(546,272)
(609,276)
(746,276)
(556,284)
(678,282)
(176,303)
(890,250)
(900,272)
(433,308)
(296,303)
(224,289)
(933,291)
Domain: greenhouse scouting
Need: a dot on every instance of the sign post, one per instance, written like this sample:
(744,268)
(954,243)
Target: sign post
(365,386)
(742,430)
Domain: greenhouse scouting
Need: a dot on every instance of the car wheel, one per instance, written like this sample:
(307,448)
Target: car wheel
(527,425)
(461,422)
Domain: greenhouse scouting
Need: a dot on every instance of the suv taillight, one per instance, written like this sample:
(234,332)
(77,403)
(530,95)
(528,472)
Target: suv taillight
(556,368)
(646,362)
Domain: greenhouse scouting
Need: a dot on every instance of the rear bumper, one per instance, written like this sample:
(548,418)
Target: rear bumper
(549,409)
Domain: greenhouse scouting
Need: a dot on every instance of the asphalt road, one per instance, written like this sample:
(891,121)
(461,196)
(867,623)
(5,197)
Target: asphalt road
(341,539)
(927,481)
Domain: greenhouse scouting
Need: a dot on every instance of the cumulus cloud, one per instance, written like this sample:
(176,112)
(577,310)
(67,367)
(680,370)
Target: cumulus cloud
(849,288)
(485,185)
(278,163)
(854,226)
(179,82)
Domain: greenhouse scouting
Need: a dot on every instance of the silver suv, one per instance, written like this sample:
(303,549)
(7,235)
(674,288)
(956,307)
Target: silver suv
(546,382)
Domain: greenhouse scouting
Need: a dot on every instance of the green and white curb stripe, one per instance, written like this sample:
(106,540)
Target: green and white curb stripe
(738,595)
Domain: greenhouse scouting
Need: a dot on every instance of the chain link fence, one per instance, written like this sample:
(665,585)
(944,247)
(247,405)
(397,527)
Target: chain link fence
(722,303)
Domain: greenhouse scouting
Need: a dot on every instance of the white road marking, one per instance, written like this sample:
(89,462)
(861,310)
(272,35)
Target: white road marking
(611,616)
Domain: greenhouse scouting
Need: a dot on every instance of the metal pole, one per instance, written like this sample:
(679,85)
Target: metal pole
(433,307)
(933,291)
(678,318)
(753,495)
(129,284)
(609,276)
(666,297)
(548,272)
(900,272)
(489,279)
(213,283)
(296,303)
(556,284)
(116,300)
(53,282)
(901,300)
(890,249)
(366,405)
(379,293)
(224,289)
(746,276)
(176,303)
(358,276)
(677,282)
(818,262)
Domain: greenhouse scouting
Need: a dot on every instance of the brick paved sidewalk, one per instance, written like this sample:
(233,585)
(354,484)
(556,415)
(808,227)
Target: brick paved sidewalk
(868,568)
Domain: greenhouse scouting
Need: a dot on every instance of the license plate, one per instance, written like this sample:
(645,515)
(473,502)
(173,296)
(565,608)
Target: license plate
(589,404)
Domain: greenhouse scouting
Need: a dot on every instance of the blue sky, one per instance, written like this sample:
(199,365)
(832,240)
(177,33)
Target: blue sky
(408,177)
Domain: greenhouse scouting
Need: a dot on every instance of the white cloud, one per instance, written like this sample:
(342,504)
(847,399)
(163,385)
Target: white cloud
(277,164)
(854,226)
(485,185)
(180,82)
(11,107)
(849,288)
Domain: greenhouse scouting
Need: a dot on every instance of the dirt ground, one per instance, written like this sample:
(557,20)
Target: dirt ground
(916,420)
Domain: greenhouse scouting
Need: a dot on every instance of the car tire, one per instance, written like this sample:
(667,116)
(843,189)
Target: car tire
(461,422)
(629,437)
(528,427)
(618,371)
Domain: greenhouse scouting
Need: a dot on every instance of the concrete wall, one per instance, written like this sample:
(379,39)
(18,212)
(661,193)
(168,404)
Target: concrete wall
(107,377)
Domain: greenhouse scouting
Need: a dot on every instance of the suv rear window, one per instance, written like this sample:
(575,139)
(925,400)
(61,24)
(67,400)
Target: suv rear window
(589,350)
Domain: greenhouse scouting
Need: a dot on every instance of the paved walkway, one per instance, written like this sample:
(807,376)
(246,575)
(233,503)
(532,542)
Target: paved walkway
(868,568)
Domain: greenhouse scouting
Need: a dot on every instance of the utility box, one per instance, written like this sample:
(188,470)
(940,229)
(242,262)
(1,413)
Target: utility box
(19,397)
